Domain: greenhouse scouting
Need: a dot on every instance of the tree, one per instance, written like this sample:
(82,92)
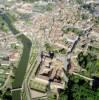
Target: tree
(52,97)
(83,92)
(7,95)
(88,61)
(1,93)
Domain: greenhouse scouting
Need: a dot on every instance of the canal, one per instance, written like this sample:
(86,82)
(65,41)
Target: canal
(23,63)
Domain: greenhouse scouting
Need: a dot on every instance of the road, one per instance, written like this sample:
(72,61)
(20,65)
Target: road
(69,52)
(87,78)
(16,89)
(27,80)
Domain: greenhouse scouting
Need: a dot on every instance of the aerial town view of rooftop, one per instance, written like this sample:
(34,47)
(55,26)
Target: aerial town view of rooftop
(49,49)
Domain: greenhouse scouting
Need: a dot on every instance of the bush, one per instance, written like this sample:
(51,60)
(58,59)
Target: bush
(75,30)
(48,47)
(84,16)
(79,1)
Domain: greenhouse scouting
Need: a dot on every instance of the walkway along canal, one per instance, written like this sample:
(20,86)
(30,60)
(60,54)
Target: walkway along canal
(23,63)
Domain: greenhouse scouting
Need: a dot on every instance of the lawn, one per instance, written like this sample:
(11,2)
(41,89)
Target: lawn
(38,86)
(3,25)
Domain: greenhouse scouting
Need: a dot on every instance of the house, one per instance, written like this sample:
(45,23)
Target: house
(4,63)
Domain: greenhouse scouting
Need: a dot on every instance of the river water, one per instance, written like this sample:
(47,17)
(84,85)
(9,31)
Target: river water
(23,63)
